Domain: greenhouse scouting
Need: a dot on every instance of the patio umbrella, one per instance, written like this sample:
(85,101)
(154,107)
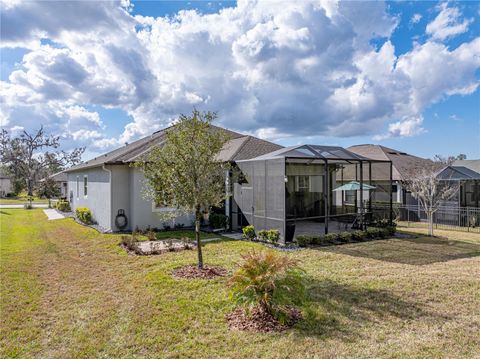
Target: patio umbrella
(353,186)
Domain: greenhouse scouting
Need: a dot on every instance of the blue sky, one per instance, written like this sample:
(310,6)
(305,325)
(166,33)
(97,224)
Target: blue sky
(401,74)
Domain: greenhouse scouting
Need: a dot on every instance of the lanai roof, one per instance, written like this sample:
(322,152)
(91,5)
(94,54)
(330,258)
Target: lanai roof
(316,152)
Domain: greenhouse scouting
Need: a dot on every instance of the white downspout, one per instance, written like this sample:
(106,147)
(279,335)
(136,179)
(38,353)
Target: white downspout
(110,195)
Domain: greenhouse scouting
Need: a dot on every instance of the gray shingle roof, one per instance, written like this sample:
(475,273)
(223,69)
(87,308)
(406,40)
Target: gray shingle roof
(473,165)
(239,147)
(458,173)
(403,163)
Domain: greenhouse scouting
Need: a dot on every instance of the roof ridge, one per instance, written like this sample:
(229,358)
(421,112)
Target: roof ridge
(248,137)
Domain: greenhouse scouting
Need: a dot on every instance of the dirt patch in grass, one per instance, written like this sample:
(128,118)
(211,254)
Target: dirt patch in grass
(258,320)
(193,272)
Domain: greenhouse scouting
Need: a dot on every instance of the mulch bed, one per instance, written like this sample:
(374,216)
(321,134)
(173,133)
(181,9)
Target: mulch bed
(193,272)
(258,320)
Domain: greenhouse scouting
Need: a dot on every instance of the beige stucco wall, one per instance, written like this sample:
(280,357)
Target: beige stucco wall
(5,186)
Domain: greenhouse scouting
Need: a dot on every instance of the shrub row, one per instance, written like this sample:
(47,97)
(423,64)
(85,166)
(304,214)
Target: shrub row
(345,237)
(84,214)
(265,235)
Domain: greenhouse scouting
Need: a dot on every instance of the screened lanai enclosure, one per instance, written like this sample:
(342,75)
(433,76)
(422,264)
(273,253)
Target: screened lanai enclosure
(311,189)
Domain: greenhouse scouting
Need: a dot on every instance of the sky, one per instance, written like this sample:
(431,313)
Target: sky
(100,74)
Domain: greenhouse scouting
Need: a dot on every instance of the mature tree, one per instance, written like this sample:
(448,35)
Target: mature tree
(461,156)
(185,174)
(430,190)
(48,188)
(32,156)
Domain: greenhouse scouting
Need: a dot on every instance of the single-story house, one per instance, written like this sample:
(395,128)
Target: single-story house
(61,180)
(109,186)
(469,183)
(5,184)
(403,165)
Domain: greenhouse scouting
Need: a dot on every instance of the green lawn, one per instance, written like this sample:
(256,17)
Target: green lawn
(22,200)
(68,291)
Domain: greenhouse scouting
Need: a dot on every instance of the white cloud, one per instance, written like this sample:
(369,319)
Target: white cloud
(448,23)
(416,18)
(274,69)
(407,127)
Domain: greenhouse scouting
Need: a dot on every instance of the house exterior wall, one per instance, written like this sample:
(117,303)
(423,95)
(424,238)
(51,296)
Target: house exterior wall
(5,186)
(98,198)
(120,194)
(143,212)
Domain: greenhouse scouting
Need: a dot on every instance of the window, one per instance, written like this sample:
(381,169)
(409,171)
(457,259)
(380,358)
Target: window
(394,188)
(303,183)
(85,185)
(78,187)
(350,196)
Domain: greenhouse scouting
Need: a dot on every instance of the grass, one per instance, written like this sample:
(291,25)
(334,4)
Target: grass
(22,199)
(68,291)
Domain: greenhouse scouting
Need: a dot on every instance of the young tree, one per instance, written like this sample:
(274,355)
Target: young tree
(185,173)
(49,189)
(28,157)
(429,189)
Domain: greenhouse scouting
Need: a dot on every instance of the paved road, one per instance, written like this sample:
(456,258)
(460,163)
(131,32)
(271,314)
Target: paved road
(35,205)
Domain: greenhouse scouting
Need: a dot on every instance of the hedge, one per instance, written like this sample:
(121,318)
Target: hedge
(345,237)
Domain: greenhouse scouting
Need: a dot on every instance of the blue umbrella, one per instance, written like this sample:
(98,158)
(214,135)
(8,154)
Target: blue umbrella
(353,186)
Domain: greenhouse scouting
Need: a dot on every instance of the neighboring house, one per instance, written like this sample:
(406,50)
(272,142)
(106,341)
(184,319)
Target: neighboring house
(61,180)
(468,180)
(108,185)
(5,184)
(403,165)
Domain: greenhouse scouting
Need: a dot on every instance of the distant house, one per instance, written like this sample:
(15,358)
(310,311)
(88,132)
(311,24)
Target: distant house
(61,179)
(403,165)
(109,186)
(5,184)
(469,182)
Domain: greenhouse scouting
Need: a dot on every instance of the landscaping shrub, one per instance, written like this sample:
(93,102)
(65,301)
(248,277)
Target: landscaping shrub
(331,238)
(391,229)
(359,236)
(273,235)
(130,242)
(262,235)
(218,221)
(249,232)
(303,241)
(84,214)
(63,206)
(344,237)
(374,233)
(268,280)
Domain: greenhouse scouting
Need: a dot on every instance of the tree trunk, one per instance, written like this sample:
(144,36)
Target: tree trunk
(197,238)
(430,224)
(30,187)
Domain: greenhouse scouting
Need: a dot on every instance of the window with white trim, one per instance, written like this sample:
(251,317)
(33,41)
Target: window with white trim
(85,186)
(78,187)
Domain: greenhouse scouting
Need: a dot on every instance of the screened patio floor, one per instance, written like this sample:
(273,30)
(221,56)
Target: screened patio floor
(311,227)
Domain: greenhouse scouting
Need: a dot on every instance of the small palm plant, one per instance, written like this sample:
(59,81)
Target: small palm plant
(268,280)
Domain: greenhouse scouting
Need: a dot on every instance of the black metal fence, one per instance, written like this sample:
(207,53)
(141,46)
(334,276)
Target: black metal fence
(446,217)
